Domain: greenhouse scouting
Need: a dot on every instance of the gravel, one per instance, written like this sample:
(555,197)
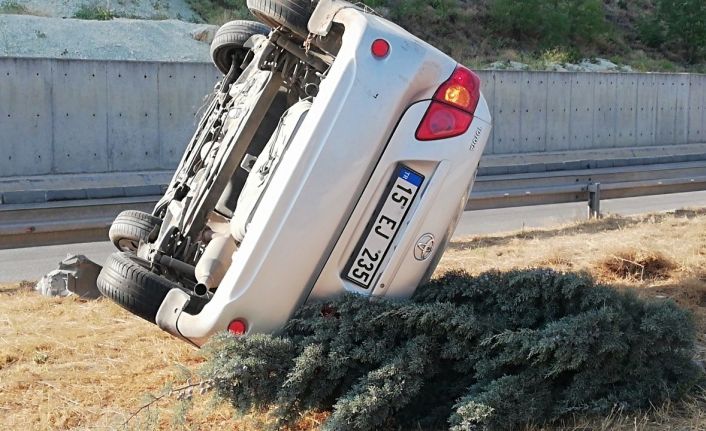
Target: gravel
(147,9)
(586,65)
(117,39)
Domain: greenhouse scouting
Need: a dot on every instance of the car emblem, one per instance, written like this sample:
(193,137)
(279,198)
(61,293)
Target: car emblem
(424,247)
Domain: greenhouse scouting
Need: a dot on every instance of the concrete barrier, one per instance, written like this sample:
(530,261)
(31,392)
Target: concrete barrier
(560,111)
(78,116)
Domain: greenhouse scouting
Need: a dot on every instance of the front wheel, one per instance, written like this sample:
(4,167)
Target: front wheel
(291,14)
(130,227)
(229,42)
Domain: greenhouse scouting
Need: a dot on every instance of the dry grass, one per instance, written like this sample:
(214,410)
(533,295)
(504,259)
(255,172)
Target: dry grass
(671,245)
(71,364)
(635,265)
(66,363)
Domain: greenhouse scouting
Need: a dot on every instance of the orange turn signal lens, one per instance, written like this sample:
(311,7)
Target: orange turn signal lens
(458,95)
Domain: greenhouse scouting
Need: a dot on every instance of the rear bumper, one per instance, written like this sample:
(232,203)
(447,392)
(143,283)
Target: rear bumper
(332,177)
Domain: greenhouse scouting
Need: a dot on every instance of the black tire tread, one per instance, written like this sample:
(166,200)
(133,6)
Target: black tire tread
(132,286)
(133,225)
(291,14)
(230,37)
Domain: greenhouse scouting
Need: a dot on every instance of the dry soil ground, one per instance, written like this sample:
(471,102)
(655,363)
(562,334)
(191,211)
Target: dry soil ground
(72,364)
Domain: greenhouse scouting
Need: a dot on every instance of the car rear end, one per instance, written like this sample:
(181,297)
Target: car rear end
(368,192)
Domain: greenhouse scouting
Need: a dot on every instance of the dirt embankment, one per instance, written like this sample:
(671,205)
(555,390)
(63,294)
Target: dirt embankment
(117,39)
(142,9)
(147,30)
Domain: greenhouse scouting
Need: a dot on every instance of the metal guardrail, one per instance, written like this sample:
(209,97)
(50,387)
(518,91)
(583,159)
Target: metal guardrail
(582,193)
(84,220)
(71,221)
(586,185)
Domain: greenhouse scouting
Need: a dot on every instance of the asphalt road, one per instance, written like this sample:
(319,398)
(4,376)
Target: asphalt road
(31,263)
(511,219)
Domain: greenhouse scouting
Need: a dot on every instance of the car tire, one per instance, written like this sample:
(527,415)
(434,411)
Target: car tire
(126,280)
(230,40)
(130,227)
(291,14)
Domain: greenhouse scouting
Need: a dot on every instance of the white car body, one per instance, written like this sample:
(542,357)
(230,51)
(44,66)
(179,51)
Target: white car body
(334,178)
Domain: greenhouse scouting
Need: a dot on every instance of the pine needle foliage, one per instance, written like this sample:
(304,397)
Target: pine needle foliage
(500,350)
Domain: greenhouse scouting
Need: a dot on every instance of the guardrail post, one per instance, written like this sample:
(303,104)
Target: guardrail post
(594,200)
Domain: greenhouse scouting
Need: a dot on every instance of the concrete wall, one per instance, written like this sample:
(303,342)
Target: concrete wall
(554,111)
(71,116)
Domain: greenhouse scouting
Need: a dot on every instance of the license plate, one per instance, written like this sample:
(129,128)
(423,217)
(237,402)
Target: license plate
(382,228)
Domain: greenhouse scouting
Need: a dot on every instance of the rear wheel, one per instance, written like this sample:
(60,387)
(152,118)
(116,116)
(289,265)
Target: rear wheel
(130,227)
(291,14)
(126,279)
(229,42)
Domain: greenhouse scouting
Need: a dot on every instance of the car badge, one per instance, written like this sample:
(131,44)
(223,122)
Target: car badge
(424,247)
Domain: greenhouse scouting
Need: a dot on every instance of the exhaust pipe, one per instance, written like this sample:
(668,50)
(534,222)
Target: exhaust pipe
(215,261)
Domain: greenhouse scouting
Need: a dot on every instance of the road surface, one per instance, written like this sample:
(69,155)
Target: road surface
(31,263)
(511,219)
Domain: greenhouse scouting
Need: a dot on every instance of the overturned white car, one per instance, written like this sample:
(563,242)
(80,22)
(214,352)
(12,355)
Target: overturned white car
(336,156)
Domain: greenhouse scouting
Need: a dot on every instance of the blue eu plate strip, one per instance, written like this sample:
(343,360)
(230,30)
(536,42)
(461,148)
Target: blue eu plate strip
(411,177)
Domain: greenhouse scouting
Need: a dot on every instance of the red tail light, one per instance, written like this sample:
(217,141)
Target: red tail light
(451,110)
(442,121)
(238,327)
(380,48)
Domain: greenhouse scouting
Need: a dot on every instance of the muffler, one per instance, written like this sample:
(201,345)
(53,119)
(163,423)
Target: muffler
(215,261)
